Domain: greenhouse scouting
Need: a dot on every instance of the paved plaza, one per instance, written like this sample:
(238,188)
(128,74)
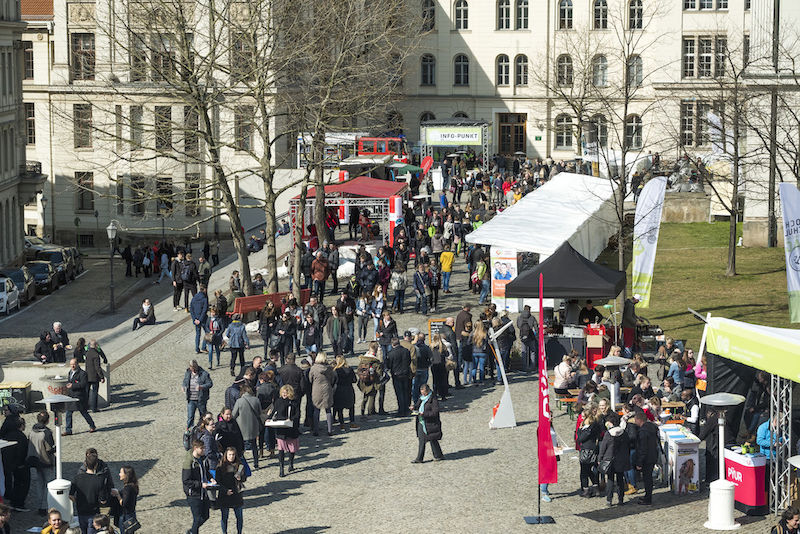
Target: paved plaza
(358,480)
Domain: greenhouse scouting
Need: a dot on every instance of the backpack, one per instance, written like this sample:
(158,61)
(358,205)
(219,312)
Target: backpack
(187,439)
(186,272)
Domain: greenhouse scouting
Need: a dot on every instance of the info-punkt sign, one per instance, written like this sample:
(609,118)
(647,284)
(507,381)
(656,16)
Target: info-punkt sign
(453,135)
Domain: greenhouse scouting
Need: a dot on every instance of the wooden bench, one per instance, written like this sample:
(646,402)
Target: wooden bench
(256,303)
(570,402)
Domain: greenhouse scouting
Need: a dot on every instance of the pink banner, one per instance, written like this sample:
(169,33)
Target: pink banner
(548,468)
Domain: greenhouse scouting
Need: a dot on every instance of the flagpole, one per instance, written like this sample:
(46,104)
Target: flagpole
(540,519)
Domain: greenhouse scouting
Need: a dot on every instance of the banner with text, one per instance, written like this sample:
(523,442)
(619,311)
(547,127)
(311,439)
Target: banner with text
(790,209)
(503,270)
(645,236)
(453,135)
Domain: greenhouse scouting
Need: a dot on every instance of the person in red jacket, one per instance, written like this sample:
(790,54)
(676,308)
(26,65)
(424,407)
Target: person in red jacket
(319,274)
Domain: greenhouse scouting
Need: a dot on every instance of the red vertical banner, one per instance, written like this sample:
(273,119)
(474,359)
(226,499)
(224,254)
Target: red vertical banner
(548,468)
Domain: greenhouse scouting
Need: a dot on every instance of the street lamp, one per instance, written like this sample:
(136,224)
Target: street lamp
(111,230)
(44,216)
(720,501)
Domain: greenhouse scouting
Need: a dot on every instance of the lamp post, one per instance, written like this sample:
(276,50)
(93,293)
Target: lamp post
(43,200)
(58,489)
(111,230)
(720,501)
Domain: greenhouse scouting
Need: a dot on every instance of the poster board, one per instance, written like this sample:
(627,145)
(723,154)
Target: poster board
(453,135)
(503,269)
(434,327)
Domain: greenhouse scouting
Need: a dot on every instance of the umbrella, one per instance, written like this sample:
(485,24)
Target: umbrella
(403,168)
(519,153)
(613,361)
(420,196)
(452,155)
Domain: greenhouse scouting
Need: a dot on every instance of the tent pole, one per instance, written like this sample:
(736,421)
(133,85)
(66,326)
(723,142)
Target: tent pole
(702,348)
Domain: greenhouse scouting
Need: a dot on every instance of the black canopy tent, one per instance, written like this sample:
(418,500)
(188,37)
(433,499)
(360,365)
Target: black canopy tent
(567,274)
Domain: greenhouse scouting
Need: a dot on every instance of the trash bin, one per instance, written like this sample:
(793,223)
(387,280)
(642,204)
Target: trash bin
(57,385)
(58,498)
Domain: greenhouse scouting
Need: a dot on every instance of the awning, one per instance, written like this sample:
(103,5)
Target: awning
(774,350)
(570,207)
(363,186)
(402,168)
(567,274)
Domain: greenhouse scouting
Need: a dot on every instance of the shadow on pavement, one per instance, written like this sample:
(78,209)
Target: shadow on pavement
(468,453)
(336,463)
(304,530)
(661,500)
(125,426)
(132,397)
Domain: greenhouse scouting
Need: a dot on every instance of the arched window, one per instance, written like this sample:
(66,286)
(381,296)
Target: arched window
(462,15)
(600,125)
(600,15)
(564,70)
(460,115)
(428,69)
(504,14)
(428,15)
(427,116)
(635,71)
(503,70)
(633,131)
(563,131)
(522,14)
(635,15)
(565,15)
(599,71)
(521,70)
(461,70)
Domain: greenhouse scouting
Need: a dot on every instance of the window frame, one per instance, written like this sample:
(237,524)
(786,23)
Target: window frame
(83,56)
(565,14)
(428,15)
(427,63)
(162,128)
(600,15)
(522,15)
(634,71)
(502,70)
(461,70)
(521,70)
(243,128)
(84,194)
(600,66)
(82,126)
(563,132)
(136,126)
(601,126)
(27,60)
(634,138)
(503,13)
(564,71)
(461,15)
(30,123)
(635,15)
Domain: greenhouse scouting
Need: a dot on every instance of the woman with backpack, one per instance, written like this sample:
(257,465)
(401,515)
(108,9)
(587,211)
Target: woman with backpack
(237,341)
(614,457)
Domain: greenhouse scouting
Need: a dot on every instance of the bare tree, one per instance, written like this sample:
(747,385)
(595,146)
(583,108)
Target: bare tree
(351,74)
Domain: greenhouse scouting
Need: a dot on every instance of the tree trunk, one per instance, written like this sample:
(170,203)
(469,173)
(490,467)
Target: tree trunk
(319,200)
(298,235)
(237,233)
(271,229)
(734,211)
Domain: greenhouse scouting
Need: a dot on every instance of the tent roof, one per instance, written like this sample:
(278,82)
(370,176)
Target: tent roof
(364,186)
(567,274)
(551,215)
(774,350)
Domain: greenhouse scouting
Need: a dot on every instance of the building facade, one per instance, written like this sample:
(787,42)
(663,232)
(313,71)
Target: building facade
(18,182)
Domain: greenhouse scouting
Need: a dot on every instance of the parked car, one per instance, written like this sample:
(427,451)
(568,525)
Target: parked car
(45,276)
(77,259)
(61,261)
(32,240)
(9,296)
(24,281)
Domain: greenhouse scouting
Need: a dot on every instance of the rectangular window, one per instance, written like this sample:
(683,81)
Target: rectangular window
(687,123)
(721,51)
(191,139)
(86,240)
(119,121)
(705,57)
(137,127)
(82,47)
(241,57)
(706,4)
(522,14)
(137,195)
(702,123)
(243,125)
(688,57)
(192,191)
(27,51)
(120,200)
(30,123)
(689,4)
(84,197)
(746,49)
(163,63)
(82,125)
(138,57)
(747,5)
(722,4)
(163,127)
(164,191)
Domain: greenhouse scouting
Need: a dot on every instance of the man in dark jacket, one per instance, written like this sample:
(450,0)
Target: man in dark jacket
(293,376)
(89,491)
(528,331)
(78,387)
(333,265)
(60,343)
(647,447)
(196,478)
(190,275)
(94,373)
(346,307)
(398,364)
(196,384)
(199,312)
(305,267)
(175,269)
(448,334)
(17,471)
(227,433)
(424,358)
(368,278)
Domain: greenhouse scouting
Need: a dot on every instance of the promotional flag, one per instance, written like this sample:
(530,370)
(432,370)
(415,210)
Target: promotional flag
(790,208)
(503,269)
(548,468)
(645,236)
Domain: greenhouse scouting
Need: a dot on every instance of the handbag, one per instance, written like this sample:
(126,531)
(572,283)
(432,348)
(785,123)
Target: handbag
(130,525)
(701,384)
(604,466)
(587,456)
(208,337)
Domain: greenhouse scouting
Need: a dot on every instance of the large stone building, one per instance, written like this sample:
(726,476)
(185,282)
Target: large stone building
(546,75)
(18,182)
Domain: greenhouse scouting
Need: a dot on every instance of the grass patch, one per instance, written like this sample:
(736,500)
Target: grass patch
(690,272)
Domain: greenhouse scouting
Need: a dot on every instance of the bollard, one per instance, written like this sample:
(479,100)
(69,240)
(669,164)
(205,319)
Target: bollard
(720,506)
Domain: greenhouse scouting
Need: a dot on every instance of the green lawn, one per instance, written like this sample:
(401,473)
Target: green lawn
(690,272)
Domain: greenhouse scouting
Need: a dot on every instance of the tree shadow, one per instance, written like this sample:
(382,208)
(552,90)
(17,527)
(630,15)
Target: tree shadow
(304,530)
(332,464)
(133,398)
(125,426)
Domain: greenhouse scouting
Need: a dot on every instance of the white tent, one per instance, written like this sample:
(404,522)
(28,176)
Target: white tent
(570,207)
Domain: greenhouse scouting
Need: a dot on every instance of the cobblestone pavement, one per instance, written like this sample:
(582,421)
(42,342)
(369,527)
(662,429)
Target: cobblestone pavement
(358,480)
